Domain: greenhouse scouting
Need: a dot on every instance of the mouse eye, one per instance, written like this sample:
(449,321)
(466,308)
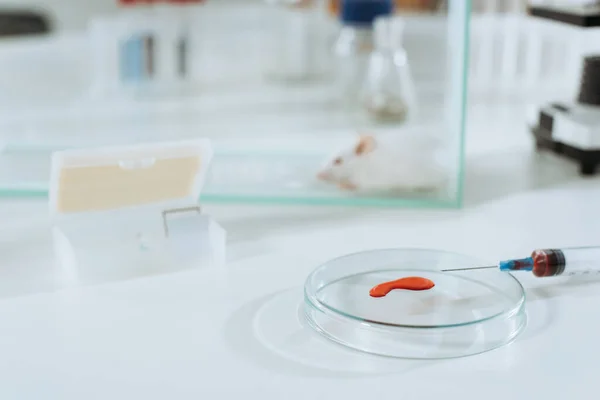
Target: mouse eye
(337,161)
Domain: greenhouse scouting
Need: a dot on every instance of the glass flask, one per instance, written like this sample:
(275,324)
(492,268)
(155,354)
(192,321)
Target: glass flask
(388,94)
(355,44)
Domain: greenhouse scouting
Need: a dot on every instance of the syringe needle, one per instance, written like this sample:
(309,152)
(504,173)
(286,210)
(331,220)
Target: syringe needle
(524,264)
(469,269)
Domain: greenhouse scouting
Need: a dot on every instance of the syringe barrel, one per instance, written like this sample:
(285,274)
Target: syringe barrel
(567,261)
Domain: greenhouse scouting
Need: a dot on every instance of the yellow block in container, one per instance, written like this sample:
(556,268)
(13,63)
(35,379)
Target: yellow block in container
(110,178)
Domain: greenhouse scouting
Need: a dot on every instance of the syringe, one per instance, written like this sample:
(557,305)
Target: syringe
(552,262)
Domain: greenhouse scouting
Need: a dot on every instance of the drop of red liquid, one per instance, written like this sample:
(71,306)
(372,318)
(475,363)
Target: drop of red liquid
(408,283)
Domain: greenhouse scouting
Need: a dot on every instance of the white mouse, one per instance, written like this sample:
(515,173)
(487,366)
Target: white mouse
(391,162)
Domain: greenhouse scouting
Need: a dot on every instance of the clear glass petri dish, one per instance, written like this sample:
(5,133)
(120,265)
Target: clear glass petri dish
(465,313)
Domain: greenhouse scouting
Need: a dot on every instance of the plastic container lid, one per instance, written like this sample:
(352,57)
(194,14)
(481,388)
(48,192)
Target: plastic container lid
(111,178)
(364,12)
(465,313)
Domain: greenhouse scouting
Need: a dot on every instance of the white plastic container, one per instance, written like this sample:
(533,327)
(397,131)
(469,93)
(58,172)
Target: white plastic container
(121,212)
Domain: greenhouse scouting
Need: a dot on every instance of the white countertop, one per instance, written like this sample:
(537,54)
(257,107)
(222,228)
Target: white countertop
(234,331)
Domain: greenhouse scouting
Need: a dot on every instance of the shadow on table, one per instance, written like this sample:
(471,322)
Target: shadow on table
(541,302)
(248,235)
(268,333)
(495,175)
(302,218)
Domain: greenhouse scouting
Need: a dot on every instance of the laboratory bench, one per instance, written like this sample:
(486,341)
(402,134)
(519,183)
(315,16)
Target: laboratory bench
(236,331)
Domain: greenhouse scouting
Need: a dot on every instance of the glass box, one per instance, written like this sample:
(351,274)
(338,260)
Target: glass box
(292,141)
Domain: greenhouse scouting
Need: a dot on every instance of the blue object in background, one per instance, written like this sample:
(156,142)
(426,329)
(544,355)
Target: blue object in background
(364,12)
(132,60)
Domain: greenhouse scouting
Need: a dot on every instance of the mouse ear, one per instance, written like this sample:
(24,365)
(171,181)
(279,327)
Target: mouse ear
(366,144)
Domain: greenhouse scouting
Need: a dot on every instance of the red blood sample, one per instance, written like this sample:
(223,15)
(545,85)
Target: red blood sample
(408,283)
(548,262)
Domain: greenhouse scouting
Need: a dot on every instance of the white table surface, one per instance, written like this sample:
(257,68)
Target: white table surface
(234,331)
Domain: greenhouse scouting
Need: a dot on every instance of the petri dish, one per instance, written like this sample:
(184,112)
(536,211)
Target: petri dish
(465,313)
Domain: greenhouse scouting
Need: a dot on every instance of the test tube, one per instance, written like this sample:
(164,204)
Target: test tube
(137,47)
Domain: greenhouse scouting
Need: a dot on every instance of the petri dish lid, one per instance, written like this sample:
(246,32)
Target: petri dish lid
(121,177)
(465,313)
